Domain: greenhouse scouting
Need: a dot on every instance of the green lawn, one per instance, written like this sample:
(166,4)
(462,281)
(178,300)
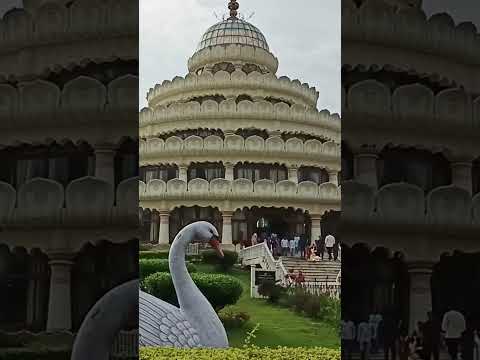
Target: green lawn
(278,326)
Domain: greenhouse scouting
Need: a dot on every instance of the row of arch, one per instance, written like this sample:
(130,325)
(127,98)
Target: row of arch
(241,170)
(57,23)
(252,143)
(80,94)
(407,204)
(414,100)
(224,189)
(44,199)
(208,81)
(376,21)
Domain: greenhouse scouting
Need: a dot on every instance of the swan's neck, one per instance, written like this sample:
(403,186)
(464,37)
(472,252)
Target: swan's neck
(192,302)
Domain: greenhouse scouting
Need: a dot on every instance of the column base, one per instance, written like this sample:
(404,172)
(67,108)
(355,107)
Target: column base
(230,247)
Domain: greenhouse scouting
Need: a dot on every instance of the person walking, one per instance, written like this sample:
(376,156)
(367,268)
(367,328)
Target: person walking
(348,334)
(302,244)
(335,251)
(389,328)
(329,243)
(292,247)
(431,337)
(284,245)
(364,339)
(297,244)
(453,326)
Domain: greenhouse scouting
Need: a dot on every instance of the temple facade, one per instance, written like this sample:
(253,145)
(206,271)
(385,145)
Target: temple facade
(68,180)
(235,144)
(410,162)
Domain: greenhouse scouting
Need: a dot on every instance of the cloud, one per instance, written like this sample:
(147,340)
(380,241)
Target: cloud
(304,36)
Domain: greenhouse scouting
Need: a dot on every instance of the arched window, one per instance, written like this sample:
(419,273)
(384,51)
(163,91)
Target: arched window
(255,172)
(413,166)
(162,172)
(317,175)
(207,171)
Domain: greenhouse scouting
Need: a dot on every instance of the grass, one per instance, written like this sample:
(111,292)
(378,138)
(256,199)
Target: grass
(278,326)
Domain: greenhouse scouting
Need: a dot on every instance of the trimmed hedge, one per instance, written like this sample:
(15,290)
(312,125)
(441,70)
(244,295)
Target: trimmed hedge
(153,254)
(230,258)
(152,266)
(245,353)
(233,320)
(219,289)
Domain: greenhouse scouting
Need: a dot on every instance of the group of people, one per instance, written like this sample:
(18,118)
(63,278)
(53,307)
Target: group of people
(300,246)
(293,279)
(383,332)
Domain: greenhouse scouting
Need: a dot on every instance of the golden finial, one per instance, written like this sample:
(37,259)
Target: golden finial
(233,6)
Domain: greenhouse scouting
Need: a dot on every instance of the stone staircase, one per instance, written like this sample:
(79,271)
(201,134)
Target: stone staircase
(322,271)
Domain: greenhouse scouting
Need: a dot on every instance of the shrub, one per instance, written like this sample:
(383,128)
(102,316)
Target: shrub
(219,289)
(271,290)
(245,353)
(233,320)
(153,255)
(151,266)
(229,259)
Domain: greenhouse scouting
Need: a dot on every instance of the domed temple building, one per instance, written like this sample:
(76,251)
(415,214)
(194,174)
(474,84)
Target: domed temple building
(234,144)
(69,159)
(410,162)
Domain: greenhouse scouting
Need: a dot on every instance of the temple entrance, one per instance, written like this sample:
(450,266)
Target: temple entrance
(182,216)
(374,282)
(266,221)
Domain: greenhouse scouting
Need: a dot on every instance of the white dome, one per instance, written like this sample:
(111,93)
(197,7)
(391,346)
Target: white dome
(233,31)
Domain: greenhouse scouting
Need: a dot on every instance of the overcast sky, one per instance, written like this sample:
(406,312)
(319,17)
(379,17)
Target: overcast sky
(304,35)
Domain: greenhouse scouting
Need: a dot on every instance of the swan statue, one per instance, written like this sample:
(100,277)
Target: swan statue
(195,323)
(104,321)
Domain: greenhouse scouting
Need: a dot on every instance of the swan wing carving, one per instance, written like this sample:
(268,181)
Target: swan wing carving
(195,323)
(162,324)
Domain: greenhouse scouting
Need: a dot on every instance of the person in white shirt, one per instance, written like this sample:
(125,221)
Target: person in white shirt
(329,242)
(453,326)
(348,338)
(364,338)
(297,243)
(284,244)
(292,247)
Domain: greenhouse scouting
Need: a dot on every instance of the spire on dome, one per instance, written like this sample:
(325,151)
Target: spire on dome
(233,6)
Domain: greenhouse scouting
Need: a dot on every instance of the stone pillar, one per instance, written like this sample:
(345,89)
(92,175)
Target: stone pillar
(366,168)
(229,171)
(462,175)
(316,227)
(227,230)
(154,224)
(420,293)
(183,172)
(59,302)
(333,176)
(164,232)
(293,173)
(105,163)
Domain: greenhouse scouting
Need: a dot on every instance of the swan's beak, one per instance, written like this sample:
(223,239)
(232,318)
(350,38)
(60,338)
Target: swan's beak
(214,243)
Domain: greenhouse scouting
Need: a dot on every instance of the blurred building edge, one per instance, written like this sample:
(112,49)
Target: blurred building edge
(69,159)
(410,162)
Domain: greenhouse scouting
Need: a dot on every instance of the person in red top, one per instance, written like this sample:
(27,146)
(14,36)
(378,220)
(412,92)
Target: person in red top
(300,278)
